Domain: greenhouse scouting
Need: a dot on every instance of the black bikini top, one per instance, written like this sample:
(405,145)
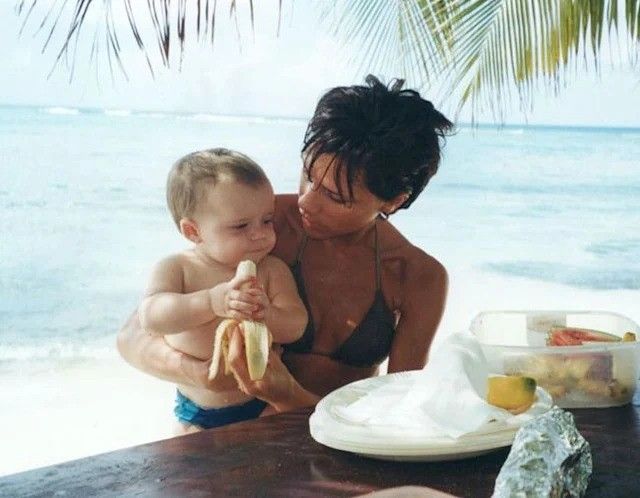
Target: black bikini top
(370,342)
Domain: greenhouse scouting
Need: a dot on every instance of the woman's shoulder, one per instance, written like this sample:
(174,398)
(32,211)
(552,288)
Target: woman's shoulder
(412,263)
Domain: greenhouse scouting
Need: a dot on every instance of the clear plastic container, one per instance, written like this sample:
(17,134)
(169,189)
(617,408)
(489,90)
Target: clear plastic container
(594,375)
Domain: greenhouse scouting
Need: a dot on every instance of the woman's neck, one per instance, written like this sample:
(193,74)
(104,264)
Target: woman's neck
(362,237)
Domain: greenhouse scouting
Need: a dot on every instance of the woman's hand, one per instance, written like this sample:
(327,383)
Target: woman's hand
(277,387)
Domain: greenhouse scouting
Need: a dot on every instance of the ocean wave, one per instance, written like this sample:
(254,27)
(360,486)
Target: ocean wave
(155,115)
(521,188)
(61,110)
(55,351)
(222,118)
(117,112)
(628,248)
(24,203)
(596,278)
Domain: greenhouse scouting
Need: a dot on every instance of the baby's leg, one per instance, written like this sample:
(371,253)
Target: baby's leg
(182,429)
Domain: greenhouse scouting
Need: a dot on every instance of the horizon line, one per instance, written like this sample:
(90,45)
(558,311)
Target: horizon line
(466,124)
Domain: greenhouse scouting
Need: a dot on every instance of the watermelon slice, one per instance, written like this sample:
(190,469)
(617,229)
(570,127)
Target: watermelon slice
(572,336)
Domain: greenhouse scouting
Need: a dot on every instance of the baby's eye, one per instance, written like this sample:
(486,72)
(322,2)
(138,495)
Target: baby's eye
(241,226)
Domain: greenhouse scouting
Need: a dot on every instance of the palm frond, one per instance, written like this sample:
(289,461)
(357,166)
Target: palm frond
(407,36)
(168,26)
(479,52)
(485,52)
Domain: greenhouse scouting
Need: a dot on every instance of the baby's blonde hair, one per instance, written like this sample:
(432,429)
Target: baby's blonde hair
(192,173)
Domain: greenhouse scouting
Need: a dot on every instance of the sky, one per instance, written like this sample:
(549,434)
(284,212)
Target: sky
(263,73)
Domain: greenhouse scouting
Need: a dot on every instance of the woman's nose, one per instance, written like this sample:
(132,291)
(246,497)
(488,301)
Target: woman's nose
(307,200)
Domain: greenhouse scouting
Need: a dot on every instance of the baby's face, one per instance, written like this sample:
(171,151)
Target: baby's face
(236,222)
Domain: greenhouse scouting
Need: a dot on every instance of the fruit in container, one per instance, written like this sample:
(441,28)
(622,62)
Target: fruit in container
(629,337)
(574,336)
(515,393)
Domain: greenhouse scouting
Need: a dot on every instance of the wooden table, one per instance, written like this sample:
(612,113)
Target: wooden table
(275,456)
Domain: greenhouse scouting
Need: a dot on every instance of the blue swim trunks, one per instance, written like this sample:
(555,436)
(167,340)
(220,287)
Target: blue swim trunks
(190,413)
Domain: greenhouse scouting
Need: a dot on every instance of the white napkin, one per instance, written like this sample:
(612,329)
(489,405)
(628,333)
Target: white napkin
(447,398)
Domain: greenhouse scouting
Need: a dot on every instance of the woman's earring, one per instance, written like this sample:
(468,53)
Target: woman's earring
(384,215)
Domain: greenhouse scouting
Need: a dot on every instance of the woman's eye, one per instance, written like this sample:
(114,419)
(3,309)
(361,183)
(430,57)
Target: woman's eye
(335,198)
(268,222)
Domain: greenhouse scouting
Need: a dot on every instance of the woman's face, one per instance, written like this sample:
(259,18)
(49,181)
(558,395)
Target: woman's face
(324,214)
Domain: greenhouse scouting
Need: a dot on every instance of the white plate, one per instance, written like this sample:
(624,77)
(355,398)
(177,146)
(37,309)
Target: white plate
(331,430)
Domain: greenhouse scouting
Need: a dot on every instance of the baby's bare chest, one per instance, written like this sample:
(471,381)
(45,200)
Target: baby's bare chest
(197,278)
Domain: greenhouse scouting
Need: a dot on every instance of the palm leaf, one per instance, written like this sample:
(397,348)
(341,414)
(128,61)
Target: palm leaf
(168,27)
(478,53)
(404,37)
(485,52)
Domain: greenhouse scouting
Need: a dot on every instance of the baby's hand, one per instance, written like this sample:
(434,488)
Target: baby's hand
(262,300)
(235,298)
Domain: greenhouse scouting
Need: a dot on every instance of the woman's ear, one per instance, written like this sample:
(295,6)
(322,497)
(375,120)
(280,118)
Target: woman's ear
(189,229)
(390,207)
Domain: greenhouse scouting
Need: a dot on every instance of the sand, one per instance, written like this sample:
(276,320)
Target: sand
(63,412)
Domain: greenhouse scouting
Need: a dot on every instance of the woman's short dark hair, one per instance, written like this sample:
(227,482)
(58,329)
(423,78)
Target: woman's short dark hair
(390,136)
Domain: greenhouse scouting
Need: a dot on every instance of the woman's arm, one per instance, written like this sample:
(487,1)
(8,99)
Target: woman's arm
(423,301)
(154,356)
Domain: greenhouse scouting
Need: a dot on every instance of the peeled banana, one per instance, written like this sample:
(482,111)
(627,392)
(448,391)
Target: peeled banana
(257,338)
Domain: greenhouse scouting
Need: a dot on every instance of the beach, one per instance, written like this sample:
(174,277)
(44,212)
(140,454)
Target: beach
(522,218)
(62,411)
(67,411)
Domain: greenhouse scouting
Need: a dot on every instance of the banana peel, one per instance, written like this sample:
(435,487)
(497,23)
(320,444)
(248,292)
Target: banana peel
(257,338)
(257,343)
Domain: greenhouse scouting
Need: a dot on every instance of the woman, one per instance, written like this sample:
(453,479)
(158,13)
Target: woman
(368,151)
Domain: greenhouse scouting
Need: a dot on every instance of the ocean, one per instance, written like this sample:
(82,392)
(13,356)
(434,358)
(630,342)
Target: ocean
(83,212)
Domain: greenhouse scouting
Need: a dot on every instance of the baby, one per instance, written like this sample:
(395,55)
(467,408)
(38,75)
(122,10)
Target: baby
(223,203)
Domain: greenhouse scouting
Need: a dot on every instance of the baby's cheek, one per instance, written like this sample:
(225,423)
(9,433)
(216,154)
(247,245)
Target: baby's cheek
(273,240)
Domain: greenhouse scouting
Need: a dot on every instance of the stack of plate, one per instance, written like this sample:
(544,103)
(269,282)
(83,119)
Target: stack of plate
(328,427)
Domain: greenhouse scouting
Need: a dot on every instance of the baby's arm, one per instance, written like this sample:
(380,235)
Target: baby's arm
(165,309)
(285,316)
